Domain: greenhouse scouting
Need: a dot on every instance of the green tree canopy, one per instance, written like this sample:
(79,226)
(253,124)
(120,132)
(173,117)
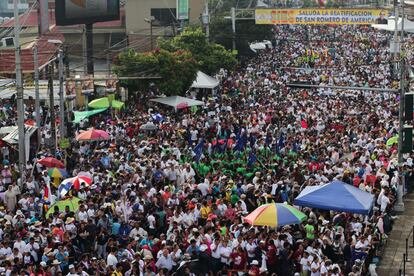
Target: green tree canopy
(209,56)
(177,69)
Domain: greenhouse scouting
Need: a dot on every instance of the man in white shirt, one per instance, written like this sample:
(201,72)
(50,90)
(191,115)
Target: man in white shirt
(19,244)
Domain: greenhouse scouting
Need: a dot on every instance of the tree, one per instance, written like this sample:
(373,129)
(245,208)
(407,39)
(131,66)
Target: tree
(246,32)
(209,56)
(177,69)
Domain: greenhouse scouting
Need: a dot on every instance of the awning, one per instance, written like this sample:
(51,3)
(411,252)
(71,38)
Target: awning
(80,115)
(204,81)
(390,27)
(13,137)
(336,196)
(177,101)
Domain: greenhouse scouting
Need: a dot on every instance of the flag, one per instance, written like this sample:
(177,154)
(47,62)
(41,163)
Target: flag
(304,124)
(198,150)
(64,189)
(157,117)
(47,195)
(251,160)
(241,143)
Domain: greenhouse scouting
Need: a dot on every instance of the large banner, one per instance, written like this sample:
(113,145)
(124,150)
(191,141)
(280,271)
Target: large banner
(321,16)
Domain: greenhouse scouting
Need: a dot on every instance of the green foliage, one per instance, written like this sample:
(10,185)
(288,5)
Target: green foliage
(177,69)
(246,32)
(209,56)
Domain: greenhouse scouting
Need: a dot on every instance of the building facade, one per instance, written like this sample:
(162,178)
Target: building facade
(162,13)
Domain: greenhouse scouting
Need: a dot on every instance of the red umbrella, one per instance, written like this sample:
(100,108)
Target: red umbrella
(51,162)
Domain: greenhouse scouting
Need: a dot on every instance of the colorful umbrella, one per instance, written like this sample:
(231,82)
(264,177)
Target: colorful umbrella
(393,140)
(57,173)
(72,203)
(93,135)
(51,162)
(77,181)
(275,215)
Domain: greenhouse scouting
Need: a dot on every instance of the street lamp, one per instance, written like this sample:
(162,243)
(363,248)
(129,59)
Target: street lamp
(151,22)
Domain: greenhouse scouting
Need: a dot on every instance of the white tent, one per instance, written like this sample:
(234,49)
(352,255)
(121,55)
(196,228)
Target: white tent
(204,81)
(177,101)
(13,137)
(390,27)
(260,45)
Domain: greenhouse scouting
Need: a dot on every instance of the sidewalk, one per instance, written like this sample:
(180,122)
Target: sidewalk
(395,247)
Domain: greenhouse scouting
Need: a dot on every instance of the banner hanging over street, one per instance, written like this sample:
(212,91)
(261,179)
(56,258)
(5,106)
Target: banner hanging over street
(321,16)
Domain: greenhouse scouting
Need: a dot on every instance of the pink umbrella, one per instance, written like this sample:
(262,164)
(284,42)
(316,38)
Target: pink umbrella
(182,105)
(93,135)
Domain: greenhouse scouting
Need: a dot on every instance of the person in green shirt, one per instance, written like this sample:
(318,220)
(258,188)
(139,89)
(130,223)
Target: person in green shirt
(310,230)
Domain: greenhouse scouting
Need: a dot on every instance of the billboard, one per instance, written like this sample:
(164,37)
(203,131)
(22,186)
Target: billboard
(322,16)
(71,12)
(182,9)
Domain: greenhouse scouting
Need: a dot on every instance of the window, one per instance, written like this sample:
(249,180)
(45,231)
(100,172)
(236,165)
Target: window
(164,17)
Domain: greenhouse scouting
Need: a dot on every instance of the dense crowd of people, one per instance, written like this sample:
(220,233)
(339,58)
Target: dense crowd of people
(172,200)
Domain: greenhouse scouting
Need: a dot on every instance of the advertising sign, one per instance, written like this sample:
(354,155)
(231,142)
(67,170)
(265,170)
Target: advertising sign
(70,12)
(322,16)
(182,9)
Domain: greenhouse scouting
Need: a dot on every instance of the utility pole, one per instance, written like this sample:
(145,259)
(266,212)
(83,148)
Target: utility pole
(89,48)
(37,98)
(233,26)
(207,20)
(52,109)
(19,92)
(61,97)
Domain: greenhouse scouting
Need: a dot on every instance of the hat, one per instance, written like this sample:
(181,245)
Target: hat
(69,220)
(71,266)
(254,262)
(43,264)
(325,222)
(55,262)
(148,257)
(37,223)
(203,247)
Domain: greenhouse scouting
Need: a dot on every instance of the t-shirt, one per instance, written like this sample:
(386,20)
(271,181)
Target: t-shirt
(309,231)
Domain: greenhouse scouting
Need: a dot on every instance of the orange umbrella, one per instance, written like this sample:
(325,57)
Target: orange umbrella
(93,135)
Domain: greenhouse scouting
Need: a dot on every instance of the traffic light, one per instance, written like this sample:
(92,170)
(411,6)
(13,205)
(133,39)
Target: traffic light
(407,139)
(408,106)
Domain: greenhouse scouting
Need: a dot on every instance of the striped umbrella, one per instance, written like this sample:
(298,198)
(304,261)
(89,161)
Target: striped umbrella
(275,215)
(57,173)
(77,181)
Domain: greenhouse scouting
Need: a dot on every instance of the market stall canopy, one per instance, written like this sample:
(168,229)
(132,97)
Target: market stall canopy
(104,103)
(177,101)
(390,27)
(336,196)
(80,115)
(204,81)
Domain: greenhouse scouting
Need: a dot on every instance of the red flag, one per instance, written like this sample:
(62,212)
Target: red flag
(304,124)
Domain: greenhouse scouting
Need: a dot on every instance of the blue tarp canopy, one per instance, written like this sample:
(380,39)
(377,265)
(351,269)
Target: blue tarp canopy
(336,196)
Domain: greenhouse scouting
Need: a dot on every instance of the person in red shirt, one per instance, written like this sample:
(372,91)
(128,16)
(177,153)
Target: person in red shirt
(254,269)
(239,259)
(271,256)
